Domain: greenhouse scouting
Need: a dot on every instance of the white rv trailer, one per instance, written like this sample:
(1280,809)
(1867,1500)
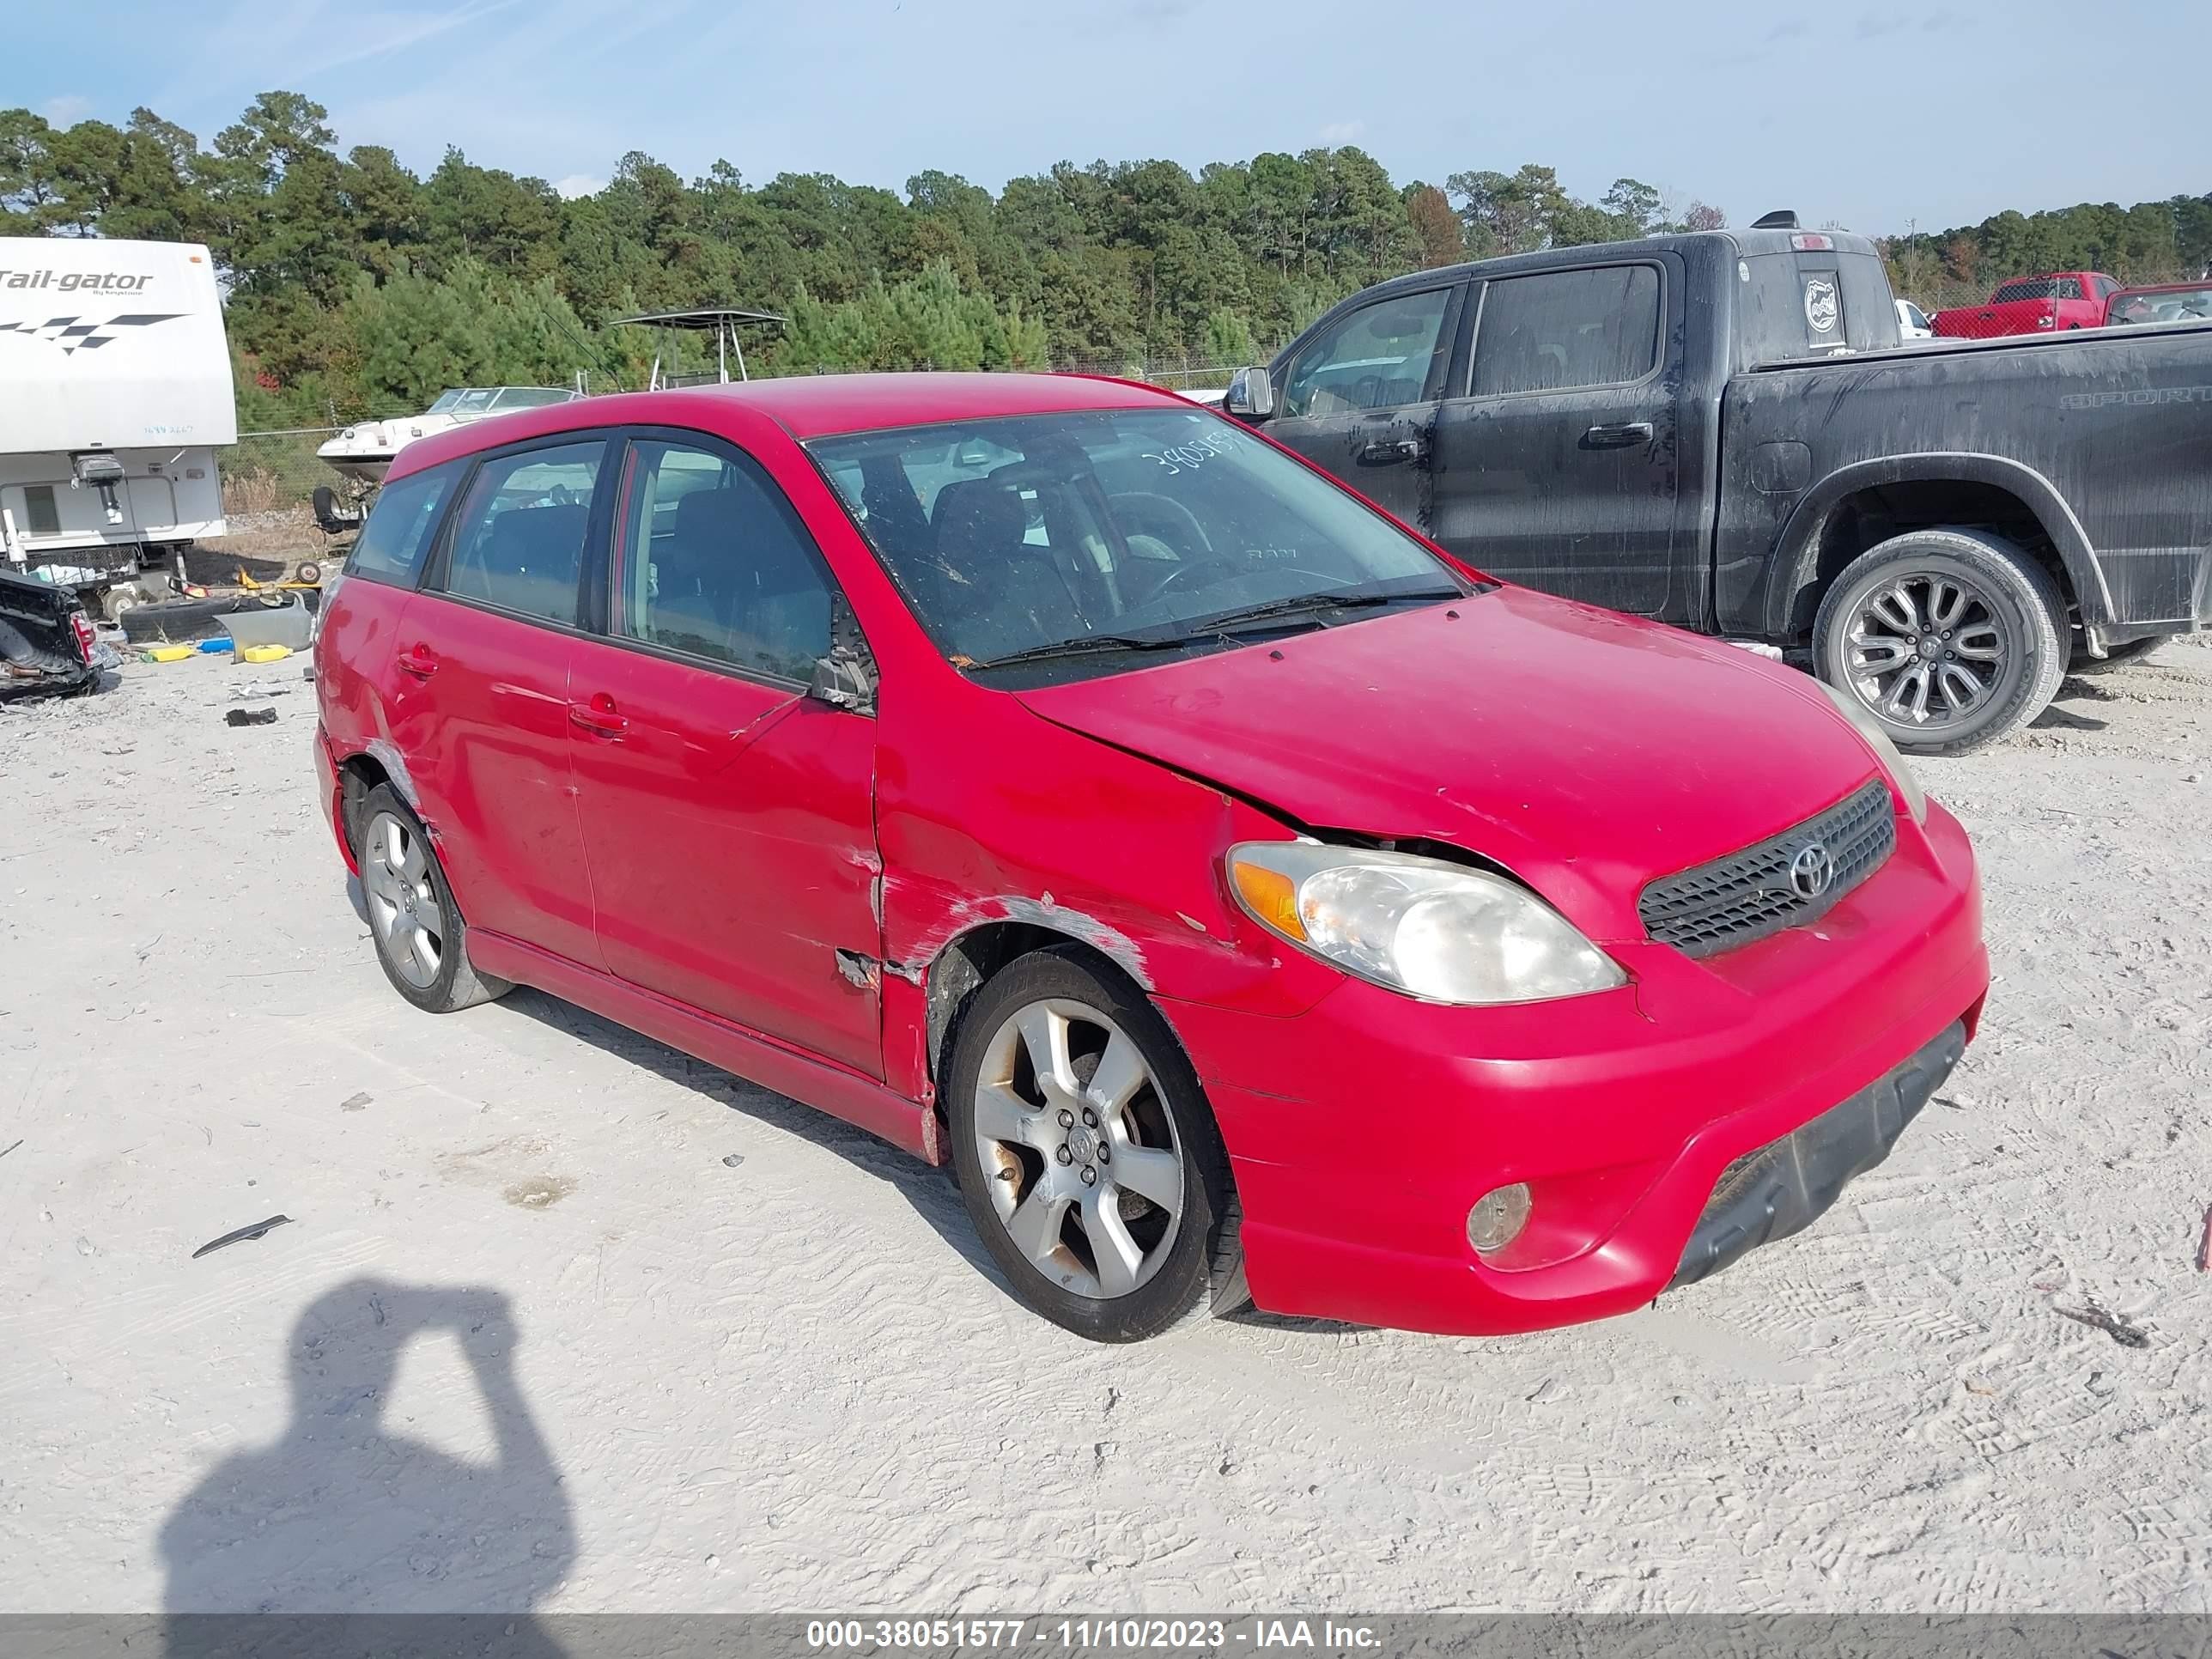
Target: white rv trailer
(115,394)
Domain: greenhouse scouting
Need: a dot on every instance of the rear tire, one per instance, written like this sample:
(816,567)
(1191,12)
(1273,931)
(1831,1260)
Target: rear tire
(1949,638)
(422,942)
(1107,1223)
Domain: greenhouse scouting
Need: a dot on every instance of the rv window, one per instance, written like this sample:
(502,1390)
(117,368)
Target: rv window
(40,516)
(392,543)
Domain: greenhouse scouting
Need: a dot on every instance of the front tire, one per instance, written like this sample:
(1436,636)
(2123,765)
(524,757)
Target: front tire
(1087,1157)
(1949,638)
(422,942)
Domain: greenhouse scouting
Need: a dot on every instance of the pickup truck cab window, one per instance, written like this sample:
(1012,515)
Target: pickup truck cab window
(1562,329)
(712,562)
(519,541)
(1378,357)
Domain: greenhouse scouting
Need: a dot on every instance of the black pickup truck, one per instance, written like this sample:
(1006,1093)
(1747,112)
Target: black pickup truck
(1724,431)
(46,643)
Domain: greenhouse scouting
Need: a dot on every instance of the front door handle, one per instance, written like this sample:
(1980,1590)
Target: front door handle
(599,717)
(418,660)
(1390,452)
(1618,437)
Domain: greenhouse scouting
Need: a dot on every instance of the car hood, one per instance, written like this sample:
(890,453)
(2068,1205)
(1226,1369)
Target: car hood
(1585,751)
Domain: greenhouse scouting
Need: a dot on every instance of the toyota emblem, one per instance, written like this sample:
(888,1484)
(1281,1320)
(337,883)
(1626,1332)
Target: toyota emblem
(1811,871)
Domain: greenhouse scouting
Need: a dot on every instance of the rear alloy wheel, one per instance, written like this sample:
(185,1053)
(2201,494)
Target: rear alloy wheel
(1948,637)
(420,939)
(1089,1162)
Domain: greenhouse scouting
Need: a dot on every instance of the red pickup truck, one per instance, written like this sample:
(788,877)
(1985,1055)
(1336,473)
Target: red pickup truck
(2032,305)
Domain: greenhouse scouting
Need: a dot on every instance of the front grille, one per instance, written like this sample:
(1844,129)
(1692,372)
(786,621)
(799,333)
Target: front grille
(1749,895)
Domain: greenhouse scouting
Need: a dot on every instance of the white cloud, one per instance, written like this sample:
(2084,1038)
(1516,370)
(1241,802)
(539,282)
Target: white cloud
(578,184)
(1342,133)
(66,111)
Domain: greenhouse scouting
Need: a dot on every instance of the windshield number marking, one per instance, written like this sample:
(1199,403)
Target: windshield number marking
(1188,458)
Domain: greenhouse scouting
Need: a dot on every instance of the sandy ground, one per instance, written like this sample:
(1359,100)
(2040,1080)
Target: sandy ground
(533,1338)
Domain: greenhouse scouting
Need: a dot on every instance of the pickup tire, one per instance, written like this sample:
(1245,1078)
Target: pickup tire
(1949,638)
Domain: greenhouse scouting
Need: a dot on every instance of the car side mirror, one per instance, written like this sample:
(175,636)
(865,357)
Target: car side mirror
(1251,395)
(839,682)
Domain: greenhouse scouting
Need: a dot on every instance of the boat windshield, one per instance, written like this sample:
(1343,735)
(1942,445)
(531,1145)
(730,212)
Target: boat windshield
(530,397)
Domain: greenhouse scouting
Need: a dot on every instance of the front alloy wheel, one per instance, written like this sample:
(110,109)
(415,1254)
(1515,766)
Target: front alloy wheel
(1079,1147)
(1087,1157)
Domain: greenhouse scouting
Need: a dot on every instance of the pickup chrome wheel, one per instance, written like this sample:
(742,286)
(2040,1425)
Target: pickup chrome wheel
(1948,637)
(1087,1157)
(1925,649)
(422,942)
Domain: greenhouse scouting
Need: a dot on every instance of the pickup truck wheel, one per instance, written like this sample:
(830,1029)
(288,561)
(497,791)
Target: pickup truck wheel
(422,942)
(1948,637)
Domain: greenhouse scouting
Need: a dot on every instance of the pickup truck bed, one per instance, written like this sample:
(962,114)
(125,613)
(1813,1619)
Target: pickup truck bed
(45,642)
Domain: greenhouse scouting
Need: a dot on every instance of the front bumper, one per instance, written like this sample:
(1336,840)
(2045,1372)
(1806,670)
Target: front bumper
(1787,1185)
(1361,1131)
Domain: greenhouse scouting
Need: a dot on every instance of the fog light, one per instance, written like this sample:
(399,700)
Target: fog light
(1497,1217)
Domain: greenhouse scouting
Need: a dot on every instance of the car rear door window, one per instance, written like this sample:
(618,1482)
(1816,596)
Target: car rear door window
(1563,329)
(1378,357)
(400,526)
(713,563)
(518,539)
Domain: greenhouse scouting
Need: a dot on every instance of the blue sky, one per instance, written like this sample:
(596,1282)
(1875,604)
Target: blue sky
(1866,113)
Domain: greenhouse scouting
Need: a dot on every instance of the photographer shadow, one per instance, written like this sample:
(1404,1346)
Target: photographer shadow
(349,1519)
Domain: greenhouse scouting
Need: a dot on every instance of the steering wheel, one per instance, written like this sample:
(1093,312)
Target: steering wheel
(1141,505)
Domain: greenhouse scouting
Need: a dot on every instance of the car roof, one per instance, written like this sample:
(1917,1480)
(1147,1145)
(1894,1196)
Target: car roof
(2197,286)
(806,406)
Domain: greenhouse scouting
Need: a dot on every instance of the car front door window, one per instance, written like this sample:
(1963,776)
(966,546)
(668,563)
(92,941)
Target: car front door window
(713,564)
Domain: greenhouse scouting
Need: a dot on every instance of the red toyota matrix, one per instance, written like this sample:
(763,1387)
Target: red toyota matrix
(1250,903)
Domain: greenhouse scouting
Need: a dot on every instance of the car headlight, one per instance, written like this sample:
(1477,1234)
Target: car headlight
(1433,930)
(1916,797)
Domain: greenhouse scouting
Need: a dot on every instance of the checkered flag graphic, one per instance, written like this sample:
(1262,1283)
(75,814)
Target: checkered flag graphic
(73,334)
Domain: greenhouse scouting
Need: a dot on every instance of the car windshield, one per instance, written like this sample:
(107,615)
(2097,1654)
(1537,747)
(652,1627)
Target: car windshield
(2193,304)
(1094,535)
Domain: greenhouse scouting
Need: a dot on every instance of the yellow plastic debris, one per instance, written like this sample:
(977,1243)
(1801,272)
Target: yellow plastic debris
(171,653)
(264,653)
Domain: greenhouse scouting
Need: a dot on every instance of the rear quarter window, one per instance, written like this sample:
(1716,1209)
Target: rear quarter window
(400,525)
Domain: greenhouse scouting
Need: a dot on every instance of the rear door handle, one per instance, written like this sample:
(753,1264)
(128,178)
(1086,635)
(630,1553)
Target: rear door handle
(1390,452)
(599,717)
(419,660)
(1618,437)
